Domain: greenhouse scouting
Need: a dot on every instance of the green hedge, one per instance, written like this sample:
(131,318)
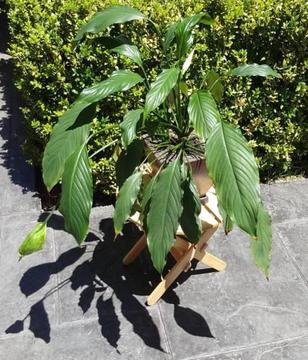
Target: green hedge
(50,71)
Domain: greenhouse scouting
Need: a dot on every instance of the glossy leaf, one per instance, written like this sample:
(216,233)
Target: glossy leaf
(183,31)
(65,139)
(35,240)
(187,62)
(73,127)
(254,70)
(233,169)
(164,213)
(262,246)
(228,224)
(77,194)
(169,36)
(126,199)
(128,126)
(100,21)
(160,89)
(130,51)
(148,193)
(146,200)
(214,85)
(203,113)
(128,160)
(226,220)
(120,80)
(190,221)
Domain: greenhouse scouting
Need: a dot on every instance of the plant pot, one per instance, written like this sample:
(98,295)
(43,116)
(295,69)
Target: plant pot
(198,166)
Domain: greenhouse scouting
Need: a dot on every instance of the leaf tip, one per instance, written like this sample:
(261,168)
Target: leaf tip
(117,232)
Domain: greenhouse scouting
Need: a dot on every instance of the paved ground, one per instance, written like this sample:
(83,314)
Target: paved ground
(69,303)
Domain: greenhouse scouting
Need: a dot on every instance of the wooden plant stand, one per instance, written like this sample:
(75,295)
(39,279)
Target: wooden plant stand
(183,251)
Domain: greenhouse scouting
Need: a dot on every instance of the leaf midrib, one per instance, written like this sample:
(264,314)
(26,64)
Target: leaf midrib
(200,106)
(73,176)
(231,164)
(167,197)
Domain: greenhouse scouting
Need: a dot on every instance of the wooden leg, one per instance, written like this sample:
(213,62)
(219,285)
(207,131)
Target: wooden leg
(210,260)
(179,248)
(202,244)
(180,266)
(177,255)
(135,250)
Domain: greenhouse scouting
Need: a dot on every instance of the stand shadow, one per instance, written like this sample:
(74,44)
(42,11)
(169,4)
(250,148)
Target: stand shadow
(104,284)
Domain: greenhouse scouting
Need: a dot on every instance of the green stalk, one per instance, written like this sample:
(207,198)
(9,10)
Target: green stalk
(102,148)
(147,83)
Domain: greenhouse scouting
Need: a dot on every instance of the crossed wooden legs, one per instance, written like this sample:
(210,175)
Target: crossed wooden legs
(183,252)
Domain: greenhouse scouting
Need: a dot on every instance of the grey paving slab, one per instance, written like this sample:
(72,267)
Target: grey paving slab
(13,230)
(287,200)
(82,340)
(292,349)
(84,302)
(97,270)
(24,284)
(214,312)
(294,236)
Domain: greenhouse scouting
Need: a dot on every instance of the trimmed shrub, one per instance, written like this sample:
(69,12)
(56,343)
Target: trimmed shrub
(51,71)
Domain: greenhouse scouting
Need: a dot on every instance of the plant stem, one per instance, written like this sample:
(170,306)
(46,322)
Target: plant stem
(103,148)
(50,214)
(147,83)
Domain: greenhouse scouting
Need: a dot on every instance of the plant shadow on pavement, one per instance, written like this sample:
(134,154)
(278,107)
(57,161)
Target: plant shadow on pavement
(110,287)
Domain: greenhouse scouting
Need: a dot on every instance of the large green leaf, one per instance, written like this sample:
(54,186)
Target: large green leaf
(164,213)
(183,31)
(35,240)
(227,222)
(126,199)
(77,194)
(131,51)
(146,199)
(255,70)
(148,193)
(160,89)
(203,113)
(73,127)
(262,246)
(64,140)
(99,22)
(214,85)
(120,80)
(233,169)
(128,160)
(169,36)
(128,126)
(190,221)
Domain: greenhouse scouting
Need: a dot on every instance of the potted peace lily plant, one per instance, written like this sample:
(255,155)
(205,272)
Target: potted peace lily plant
(178,122)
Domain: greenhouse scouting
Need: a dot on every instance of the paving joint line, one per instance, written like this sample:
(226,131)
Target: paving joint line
(294,262)
(243,348)
(168,342)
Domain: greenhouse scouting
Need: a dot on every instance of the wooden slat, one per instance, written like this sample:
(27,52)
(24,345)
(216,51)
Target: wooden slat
(135,250)
(179,267)
(210,260)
